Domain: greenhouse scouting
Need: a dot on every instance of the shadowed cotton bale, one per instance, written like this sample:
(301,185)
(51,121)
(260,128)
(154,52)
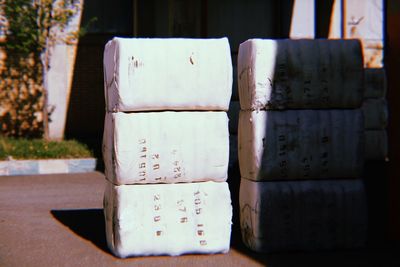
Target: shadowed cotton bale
(376,145)
(375,83)
(375,113)
(170,219)
(167,74)
(166,147)
(303,215)
(300,144)
(300,74)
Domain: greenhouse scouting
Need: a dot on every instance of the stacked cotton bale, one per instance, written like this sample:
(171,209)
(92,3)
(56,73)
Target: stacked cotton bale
(166,146)
(375,110)
(301,142)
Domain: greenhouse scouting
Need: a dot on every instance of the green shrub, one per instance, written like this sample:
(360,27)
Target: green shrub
(31,29)
(18,148)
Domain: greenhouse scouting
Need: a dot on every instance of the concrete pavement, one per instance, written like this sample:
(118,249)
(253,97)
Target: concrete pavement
(57,220)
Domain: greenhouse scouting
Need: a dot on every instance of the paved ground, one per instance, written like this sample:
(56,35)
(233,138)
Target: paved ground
(57,220)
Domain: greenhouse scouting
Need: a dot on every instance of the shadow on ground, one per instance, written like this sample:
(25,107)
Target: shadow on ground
(87,223)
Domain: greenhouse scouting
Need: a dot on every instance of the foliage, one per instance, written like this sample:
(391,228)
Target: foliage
(21,98)
(40,149)
(32,28)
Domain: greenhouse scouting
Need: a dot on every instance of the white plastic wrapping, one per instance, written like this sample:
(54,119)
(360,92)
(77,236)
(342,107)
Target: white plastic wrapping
(167,74)
(303,215)
(170,219)
(375,83)
(376,145)
(166,147)
(375,113)
(301,144)
(300,74)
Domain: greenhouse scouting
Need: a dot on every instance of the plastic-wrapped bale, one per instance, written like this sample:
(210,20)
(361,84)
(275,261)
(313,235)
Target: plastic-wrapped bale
(376,145)
(168,219)
(300,74)
(375,113)
(166,147)
(167,74)
(301,144)
(303,215)
(375,83)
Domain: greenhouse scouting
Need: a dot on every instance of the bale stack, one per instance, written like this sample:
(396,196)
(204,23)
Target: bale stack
(375,110)
(166,146)
(301,144)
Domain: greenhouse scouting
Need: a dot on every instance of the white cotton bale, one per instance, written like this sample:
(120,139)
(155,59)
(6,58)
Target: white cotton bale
(300,74)
(303,215)
(375,83)
(300,144)
(170,219)
(376,145)
(167,74)
(166,147)
(375,113)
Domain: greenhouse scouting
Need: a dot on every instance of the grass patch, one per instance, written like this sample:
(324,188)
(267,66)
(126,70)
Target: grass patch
(39,149)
